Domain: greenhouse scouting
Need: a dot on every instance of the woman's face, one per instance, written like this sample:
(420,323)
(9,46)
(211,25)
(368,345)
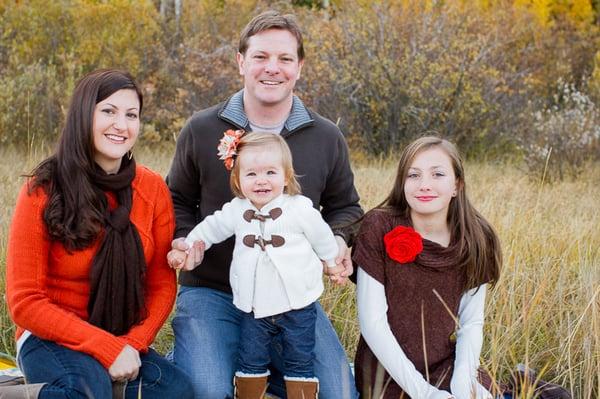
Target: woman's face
(430,183)
(116,127)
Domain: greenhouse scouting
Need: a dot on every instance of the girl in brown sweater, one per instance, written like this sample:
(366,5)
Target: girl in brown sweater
(424,258)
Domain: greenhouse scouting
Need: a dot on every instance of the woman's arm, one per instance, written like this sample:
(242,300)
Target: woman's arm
(375,329)
(26,287)
(469,339)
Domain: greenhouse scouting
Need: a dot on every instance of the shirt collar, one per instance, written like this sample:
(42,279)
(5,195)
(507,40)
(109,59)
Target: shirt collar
(233,112)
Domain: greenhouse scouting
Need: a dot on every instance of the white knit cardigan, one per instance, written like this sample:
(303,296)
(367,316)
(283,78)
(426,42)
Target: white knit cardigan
(308,239)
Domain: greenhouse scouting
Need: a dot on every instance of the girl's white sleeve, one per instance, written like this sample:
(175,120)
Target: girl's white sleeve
(375,329)
(215,228)
(469,339)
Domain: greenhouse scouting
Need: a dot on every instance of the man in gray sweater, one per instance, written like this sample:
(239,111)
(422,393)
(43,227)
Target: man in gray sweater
(206,323)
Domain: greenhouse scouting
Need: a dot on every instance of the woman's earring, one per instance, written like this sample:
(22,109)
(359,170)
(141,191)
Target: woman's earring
(129,155)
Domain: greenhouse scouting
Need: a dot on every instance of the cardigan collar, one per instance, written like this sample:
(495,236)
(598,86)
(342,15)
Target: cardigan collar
(276,202)
(233,112)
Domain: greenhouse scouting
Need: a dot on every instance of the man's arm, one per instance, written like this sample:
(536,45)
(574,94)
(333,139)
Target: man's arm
(339,201)
(184,182)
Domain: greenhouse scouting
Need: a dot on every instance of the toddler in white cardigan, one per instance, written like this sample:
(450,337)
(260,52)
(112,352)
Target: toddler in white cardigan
(281,244)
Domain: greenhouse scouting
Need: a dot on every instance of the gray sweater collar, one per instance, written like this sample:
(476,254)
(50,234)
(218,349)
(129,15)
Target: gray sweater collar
(233,111)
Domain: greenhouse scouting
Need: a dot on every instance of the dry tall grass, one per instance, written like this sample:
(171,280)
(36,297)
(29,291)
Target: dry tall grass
(545,311)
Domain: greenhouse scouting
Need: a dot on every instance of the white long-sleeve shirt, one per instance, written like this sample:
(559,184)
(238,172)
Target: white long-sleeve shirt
(375,329)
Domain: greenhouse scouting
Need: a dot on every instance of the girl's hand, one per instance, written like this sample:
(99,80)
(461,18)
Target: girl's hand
(126,366)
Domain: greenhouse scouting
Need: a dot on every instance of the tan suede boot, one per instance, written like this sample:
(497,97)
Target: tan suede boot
(22,391)
(302,389)
(250,387)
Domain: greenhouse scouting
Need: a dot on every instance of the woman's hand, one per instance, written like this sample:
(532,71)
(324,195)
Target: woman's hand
(182,257)
(126,366)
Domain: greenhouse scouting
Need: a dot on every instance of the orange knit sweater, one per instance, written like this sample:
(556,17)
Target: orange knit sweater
(48,288)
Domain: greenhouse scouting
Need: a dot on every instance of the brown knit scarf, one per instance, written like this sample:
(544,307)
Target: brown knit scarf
(117,291)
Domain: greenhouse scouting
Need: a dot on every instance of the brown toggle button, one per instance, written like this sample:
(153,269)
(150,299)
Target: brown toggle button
(251,214)
(251,240)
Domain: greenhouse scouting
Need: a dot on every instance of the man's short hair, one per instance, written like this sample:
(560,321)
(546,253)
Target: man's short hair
(272,20)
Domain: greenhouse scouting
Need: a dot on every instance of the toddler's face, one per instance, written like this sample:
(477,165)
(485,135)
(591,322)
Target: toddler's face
(261,174)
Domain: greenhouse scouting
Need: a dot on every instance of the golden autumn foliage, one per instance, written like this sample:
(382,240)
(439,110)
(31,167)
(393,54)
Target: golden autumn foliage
(474,71)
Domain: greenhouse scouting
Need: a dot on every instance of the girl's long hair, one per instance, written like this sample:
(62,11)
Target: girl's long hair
(73,213)
(477,241)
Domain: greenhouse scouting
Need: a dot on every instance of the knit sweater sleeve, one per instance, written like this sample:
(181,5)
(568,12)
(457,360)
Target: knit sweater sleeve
(183,181)
(217,227)
(30,307)
(317,232)
(339,199)
(160,286)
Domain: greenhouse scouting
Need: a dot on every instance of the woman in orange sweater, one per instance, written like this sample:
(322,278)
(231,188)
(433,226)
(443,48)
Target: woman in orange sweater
(88,284)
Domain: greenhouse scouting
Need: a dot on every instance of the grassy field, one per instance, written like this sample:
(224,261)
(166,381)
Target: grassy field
(544,312)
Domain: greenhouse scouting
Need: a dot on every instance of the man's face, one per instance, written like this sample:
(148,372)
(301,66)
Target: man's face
(270,67)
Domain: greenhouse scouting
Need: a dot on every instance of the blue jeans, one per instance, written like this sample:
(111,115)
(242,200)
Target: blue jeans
(296,331)
(207,335)
(71,374)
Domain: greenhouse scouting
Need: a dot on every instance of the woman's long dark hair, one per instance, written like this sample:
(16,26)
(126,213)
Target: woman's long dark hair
(478,242)
(74,215)
(77,212)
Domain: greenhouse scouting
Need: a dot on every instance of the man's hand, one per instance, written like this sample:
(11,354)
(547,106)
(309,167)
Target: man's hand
(126,366)
(343,259)
(182,257)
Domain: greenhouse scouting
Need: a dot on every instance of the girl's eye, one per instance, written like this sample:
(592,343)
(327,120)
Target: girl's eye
(271,172)
(108,111)
(259,57)
(412,175)
(439,174)
(131,115)
(287,59)
(250,174)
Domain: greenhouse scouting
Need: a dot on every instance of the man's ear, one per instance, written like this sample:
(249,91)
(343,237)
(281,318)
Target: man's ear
(300,65)
(239,57)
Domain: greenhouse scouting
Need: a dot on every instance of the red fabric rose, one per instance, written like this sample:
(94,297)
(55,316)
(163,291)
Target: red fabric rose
(403,244)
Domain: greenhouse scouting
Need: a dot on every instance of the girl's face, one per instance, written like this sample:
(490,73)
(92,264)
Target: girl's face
(261,174)
(116,127)
(430,183)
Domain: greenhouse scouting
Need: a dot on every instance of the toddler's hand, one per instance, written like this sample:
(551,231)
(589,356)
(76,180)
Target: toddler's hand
(183,257)
(335,274)
(195,255)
